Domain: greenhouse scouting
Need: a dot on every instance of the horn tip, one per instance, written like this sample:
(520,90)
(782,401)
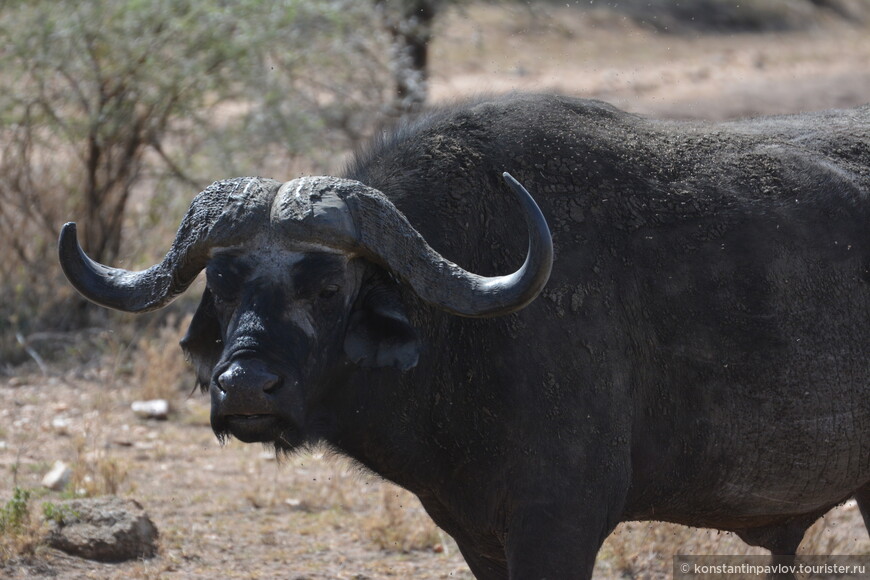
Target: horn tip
(513,183)
(68,230)
(68,236)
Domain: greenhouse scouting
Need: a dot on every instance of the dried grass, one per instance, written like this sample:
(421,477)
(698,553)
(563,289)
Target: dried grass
(95,471)
(401,525)
(159,368)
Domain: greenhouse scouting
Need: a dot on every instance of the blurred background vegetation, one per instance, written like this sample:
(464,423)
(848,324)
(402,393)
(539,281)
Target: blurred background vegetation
(114,113)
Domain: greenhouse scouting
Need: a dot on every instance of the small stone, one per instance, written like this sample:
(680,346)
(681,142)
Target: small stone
(299,505)
(58,477)
(61,425)
(106,529)
(157,409)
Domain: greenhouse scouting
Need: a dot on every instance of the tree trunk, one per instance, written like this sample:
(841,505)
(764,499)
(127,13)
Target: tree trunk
(409,23)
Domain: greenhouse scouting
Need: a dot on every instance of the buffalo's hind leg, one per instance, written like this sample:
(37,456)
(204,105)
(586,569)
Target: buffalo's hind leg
(781,540)
(862,496)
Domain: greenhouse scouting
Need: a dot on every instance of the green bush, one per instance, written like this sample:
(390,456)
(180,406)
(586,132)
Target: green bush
(58,513)
(115,113)
(15,515)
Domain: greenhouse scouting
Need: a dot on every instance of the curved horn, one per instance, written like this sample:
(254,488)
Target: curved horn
(389,235)
(351,217)
(124,289)
(224,214)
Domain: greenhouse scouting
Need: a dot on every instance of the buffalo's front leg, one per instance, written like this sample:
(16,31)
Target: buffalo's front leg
(542,544)
(482,567)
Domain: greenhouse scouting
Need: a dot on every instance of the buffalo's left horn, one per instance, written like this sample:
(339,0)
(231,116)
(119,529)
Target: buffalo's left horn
(390,239)
(349,216)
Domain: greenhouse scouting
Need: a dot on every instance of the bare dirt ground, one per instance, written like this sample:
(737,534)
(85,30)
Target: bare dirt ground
(608,57)
(235,512)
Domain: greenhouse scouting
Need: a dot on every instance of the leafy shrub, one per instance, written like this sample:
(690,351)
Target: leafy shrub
(19,533)
(58,513)
(15,515)
(115,113)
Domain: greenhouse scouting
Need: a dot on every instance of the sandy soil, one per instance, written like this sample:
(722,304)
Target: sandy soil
(235,512)
(643,71)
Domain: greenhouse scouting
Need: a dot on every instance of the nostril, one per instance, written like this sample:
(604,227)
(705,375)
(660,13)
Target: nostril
(221,382)
(233,379)
(271,383)
(245,377)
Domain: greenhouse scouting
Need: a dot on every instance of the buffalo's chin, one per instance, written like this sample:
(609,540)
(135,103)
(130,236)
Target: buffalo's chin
(259,429)
(253,428)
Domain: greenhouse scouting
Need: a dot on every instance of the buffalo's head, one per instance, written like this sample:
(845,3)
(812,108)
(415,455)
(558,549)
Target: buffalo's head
(302,287)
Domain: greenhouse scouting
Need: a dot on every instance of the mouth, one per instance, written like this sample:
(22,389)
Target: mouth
(253,428)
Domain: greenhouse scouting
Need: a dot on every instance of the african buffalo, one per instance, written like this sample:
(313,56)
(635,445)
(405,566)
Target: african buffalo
(698,355)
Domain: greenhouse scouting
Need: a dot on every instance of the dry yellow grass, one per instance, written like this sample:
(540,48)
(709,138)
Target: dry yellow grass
(159,368)
(401,525)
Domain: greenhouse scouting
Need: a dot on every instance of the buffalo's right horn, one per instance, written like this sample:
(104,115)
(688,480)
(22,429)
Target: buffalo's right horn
(225,214)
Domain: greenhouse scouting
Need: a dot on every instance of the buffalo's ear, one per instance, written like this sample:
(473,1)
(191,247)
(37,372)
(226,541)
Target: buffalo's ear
(203,344)
(379,333)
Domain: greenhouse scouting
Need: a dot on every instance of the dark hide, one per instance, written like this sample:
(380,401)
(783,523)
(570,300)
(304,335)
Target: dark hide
(203,342)
(699,355)
(379,334)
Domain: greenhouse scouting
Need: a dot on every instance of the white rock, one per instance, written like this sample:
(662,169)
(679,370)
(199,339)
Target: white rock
(154,409)
(58,477)
(61,425)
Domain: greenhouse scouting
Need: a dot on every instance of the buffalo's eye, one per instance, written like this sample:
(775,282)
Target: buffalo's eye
(329,291)
(224,276)
(224,289)
(223,301)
